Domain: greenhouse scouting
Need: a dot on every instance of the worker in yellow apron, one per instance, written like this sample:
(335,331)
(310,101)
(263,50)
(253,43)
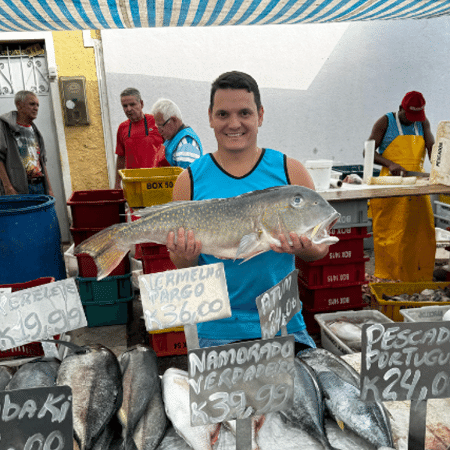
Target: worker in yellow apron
(403,227)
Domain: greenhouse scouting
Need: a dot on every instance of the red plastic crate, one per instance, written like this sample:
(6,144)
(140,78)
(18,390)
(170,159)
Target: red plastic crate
(98,208)
(167,343)
(150,249)
(349,232)
(88,269)
(345,251)
(311,323)
(33,349)
(332,274)
(157,263)
(81,234)
(330,298)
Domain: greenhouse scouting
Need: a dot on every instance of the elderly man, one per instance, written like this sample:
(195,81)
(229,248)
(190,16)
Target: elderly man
(22,150)
(139,144)
(182,144)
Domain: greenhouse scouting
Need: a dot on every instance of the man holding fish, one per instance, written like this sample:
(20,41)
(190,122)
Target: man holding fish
(239,166)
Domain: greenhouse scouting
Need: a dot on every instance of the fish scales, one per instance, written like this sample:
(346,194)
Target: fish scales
(232,228)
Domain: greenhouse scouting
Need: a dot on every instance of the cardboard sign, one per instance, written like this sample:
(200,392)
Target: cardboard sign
(184,297)
(39,418)
(405,361)
(236,381)
(40,312)
(278,305)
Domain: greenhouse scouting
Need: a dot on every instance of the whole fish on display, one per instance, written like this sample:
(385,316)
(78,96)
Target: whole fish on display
(140,384)
(231,228)
(6,373)
(342,399)
(94,374)
(33,374)
(307,411)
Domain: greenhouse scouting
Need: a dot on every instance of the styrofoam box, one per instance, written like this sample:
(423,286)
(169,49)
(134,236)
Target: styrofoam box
(334,344)
(424,314)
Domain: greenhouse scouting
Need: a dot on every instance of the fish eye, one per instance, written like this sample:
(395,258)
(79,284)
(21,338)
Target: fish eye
(297,201)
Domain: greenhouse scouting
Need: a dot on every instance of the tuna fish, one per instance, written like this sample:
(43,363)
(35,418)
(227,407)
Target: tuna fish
(96,381)
(307,411)
(342,399)
(140,384)
(233,228)
(173,441)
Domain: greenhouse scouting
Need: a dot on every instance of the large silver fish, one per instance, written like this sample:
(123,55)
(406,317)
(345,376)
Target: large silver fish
(33,374)
(96,381)
(233,228)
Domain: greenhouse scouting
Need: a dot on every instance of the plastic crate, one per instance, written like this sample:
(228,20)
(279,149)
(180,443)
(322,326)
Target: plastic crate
(350,232)
(391,308)
(157,263)
(150,249)
(358,169)
(444,198)
(343,252)
(33,349)
(332,274)
(424,314)
(147,187)
(353,214)
(103,313)
(88,269)
(97,208)
(330,298)
(108,290)
(171,341)
(333,343)
(81,234)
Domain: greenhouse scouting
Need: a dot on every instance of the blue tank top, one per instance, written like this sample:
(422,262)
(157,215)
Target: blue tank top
(248,280)
(392,131)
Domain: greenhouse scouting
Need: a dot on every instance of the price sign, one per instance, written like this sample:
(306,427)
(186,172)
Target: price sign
(236,381)
(184,297)
(405,361)
(39,418)
(278,305)
(39,313)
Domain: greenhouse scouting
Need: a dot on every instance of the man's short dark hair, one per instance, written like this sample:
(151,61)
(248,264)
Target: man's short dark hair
(235,80)
(131,91)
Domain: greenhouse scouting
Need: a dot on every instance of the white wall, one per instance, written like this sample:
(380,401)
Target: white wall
(323,85)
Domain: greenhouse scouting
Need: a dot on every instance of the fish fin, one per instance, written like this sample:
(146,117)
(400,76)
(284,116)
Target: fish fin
(341,424)
(248,244)
(104,250)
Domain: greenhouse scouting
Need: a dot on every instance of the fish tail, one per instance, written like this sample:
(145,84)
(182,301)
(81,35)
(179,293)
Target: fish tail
(105,249)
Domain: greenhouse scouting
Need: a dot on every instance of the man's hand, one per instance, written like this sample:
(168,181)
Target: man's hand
(9,190)
(184,250)
(396,169)
(300,246)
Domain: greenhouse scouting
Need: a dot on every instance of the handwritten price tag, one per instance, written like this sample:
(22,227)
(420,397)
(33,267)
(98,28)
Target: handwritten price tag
(39,313)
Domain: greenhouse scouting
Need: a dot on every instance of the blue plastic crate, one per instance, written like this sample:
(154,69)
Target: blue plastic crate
(108,290)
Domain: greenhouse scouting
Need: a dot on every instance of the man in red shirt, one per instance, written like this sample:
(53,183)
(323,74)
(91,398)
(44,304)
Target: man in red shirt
(139,144)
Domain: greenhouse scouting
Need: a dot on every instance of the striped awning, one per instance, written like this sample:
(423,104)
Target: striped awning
(52,15)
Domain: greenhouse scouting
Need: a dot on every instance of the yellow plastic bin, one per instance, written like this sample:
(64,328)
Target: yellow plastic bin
(148,187)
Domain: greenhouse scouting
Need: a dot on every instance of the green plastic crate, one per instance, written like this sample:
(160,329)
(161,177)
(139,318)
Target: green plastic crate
(107,290)
(107,313)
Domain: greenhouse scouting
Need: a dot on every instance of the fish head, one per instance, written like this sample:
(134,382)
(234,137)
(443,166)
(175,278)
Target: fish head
(303,211)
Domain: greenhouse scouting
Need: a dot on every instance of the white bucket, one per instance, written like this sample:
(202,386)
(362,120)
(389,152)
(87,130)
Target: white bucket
(320,171)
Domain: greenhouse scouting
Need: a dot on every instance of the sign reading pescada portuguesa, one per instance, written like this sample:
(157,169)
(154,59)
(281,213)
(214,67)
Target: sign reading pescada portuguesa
(184,297)
(39,418)
(405,361)
(236,381)
(278,305)
(40,312)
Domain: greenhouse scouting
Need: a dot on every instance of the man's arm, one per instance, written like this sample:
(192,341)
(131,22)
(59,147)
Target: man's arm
(378,132)
(184,250)
(8,187)
(120,164)
(50,190)
(428,136)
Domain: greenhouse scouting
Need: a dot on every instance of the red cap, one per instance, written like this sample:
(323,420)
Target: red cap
(414,105)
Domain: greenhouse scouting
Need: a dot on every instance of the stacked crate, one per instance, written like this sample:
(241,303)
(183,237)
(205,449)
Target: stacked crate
(106,301)
(145,188)
(334,283)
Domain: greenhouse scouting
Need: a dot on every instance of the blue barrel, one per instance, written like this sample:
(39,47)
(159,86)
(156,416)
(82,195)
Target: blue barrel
(30,239)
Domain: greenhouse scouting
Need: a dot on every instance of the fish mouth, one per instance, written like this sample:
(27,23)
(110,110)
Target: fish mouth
(321,233)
